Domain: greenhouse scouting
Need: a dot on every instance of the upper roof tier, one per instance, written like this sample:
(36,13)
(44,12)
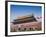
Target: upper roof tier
(24,19)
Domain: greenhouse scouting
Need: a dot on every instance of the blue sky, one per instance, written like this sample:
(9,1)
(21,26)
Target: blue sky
(21,10)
